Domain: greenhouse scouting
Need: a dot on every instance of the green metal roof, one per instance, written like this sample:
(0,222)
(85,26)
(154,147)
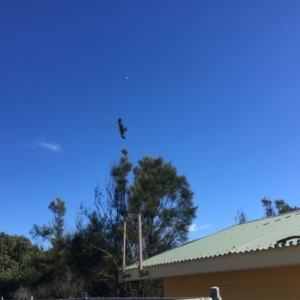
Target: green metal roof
(278,231)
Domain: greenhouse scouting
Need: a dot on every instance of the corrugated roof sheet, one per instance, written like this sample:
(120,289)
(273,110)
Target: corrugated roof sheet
(276,231)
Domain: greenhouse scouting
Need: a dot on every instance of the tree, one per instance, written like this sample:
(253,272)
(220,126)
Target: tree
(161,196)
(102,236)
(56,273)
(240,217)
(280,205)
(92,259)
(53,232)
(165,201)
(16,267)
(269,210)
(53,261)
(283,207)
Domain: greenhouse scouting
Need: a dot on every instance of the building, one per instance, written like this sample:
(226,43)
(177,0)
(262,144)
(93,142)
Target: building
(254,260)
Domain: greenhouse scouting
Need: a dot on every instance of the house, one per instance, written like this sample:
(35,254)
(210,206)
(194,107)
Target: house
(254,260)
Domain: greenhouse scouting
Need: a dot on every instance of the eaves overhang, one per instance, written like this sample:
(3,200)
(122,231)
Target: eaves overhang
(251,239)
(276,257)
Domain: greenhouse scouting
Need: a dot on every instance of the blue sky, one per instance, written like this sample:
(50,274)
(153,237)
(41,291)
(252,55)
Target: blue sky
(214,87)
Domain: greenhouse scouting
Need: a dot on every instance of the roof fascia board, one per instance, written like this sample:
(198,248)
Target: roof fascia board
(277,257)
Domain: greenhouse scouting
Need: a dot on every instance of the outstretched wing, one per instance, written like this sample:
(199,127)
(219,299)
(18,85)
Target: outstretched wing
(120,124)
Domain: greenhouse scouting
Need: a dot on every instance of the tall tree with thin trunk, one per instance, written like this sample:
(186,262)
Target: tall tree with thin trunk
(240,217)
(53,233)
(55,253)
(268,206)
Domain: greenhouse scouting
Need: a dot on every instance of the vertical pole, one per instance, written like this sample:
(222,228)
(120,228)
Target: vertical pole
(140,244)
(124,245)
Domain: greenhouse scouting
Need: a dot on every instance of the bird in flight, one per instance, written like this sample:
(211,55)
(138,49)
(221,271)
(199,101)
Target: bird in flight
(126,77)
(122,128)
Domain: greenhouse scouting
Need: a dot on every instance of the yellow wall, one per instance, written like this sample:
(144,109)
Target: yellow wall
(261,284)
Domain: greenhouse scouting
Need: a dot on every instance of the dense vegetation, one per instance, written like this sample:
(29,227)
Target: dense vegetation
(64,264)
(281,207)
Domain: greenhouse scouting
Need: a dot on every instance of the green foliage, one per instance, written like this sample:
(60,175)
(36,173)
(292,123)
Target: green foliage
(52,262)
(103,233)
(15,252)
(53,232)
(162,197)
(280,205)
(16,267)
(88,259)
(268,206)
(165,201)
(283,207)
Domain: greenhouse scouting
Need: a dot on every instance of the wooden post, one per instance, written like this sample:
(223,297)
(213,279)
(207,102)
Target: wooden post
(140,241)
(141,272)
(140,244)
(124,246)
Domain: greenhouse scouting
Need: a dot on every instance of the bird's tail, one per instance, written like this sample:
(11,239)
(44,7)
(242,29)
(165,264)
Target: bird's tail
(125,129)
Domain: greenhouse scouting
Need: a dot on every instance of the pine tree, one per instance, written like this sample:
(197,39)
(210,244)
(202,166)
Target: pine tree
(268,205)
(163,198)
(280,205)
(165,201)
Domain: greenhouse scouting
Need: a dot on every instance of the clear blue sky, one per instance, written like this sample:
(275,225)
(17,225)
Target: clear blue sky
(214,87)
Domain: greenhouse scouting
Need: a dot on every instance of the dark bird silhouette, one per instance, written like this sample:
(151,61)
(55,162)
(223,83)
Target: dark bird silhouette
(122,129)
